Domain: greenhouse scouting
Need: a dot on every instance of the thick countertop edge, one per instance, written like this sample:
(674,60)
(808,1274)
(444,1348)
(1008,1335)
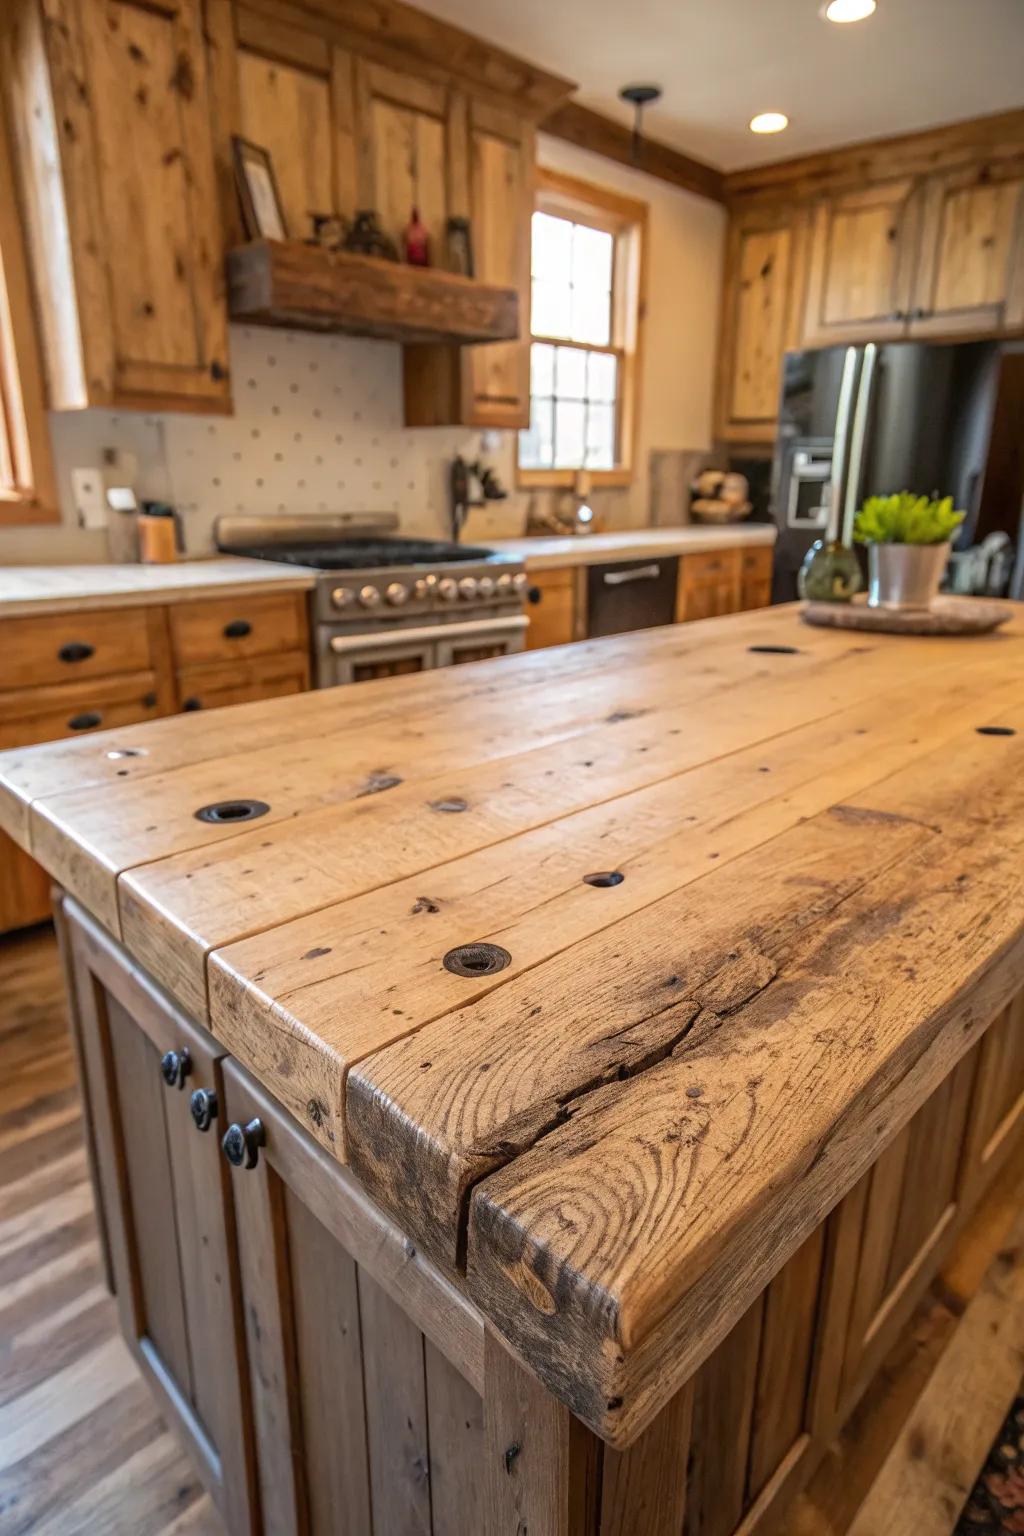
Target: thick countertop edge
(88,588)
(552,552)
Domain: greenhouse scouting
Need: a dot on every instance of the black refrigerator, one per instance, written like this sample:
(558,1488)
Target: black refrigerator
(945,420)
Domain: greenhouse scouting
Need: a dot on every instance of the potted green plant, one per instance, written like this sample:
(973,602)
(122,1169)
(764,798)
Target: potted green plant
(908,539)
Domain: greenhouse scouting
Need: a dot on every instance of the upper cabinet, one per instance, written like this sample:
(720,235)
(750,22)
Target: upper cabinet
(863,251)
(112,127)
(970,276)
(914,238)
(764,255)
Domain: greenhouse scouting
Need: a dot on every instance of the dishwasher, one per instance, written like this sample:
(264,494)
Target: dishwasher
(631,594)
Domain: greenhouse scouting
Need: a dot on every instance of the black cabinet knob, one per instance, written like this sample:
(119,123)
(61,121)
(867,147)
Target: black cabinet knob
(203,1105)
(175,1066)
(217,371)
(533,594)
(191,704)
(242,1143)
(237,629)
(76,650)
(85,722)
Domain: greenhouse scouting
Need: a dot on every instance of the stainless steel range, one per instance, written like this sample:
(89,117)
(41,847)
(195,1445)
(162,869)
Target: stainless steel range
(383,604)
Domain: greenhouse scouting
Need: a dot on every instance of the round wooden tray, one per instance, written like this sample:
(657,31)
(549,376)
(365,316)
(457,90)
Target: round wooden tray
(946,616)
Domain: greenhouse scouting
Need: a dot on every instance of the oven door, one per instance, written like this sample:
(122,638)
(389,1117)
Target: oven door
(480,639)
(346,658)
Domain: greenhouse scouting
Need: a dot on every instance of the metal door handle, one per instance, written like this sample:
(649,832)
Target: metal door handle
(175,1066)
(641,573)
(242,1143)
(343,644)
(203,1108)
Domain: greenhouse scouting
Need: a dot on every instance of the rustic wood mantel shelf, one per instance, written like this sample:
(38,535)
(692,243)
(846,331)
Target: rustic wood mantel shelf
(304,287)
(733,1048)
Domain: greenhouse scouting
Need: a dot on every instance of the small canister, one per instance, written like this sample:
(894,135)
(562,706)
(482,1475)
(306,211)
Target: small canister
(158,533)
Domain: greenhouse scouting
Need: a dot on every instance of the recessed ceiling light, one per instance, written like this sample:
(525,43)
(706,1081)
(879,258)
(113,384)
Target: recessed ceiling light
(849,10)
(769,122)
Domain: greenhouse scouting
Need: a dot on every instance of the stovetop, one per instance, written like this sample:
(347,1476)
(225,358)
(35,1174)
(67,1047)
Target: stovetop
(369,554)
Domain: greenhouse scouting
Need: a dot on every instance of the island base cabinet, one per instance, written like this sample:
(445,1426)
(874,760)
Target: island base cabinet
(164,1203)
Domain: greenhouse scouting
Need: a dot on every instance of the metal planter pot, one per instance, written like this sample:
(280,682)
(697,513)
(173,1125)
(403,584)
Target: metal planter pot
(905,575)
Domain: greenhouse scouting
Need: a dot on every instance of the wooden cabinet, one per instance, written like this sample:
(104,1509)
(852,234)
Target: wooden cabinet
(861,267)
(756,577)
(761,304)
(709,585)
(164,1192)
(112,118)
(64,674)
(551,607)
(970,276)
(366,1362)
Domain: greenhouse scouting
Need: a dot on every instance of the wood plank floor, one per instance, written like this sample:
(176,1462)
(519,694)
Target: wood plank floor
(82,1447)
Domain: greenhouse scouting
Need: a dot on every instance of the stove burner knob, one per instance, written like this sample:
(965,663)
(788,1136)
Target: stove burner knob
(505,583)
(420,588)
(519,582)
(397,593)
(341,597)
(369,596)
(467,587)
(447,589)
(485,586)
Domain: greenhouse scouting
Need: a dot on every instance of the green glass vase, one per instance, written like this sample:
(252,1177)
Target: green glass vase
(830,573)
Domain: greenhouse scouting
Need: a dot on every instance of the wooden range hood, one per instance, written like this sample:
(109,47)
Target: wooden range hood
(304,287)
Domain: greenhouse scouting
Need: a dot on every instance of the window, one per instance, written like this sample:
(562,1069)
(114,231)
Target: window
(586,266)
(26,486)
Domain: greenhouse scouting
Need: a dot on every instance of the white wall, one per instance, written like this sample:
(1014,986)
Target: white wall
(317,424)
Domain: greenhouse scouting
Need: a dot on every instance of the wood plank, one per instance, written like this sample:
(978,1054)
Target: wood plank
(396,1413)
(643,1489)
(303,992)
(455,1415)
(890,862)
(591,130)
(722,1421)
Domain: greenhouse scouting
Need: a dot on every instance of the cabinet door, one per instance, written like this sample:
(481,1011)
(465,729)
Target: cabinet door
(167,1208)
(971,274)
(243,682)
(756,578)
(496,377)
(863,249)
(130,88)
(761,302)
(551,608)
(367,1364)
(709,585)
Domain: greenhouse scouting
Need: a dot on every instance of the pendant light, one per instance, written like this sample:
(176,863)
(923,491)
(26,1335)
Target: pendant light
(638,97)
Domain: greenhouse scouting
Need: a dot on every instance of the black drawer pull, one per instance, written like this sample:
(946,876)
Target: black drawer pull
(85,722)
(237,629)
(175,1066)
(76,650)
(242,1144)
(191,704)
(534,594)
(203,1105)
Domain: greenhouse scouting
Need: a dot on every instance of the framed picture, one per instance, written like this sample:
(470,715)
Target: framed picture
(257,190)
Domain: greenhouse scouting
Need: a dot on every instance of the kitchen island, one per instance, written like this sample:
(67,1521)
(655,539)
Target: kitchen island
(610,1044)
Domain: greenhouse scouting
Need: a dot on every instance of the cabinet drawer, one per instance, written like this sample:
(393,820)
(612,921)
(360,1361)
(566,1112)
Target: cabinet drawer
(237,627)
(63,647)
(242,682)
(710,568)
(33,715)
(756,564)
(551,608)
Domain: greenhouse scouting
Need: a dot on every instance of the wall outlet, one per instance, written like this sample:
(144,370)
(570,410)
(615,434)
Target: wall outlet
(89,494)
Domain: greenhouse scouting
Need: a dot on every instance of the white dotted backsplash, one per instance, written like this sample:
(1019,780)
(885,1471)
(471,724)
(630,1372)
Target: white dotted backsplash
(317,427)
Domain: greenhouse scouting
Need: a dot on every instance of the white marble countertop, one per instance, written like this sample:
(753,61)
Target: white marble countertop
(548,551)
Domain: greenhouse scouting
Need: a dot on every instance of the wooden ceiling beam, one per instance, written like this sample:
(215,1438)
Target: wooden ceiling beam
(586,129)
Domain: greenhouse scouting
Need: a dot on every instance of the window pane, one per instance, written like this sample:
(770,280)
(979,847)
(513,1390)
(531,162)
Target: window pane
(551,305)
(535,444)
(591,317)
(602,372)
(570,373)
(591,259)
(569,434)
(552,248)
(542,369)
(600,437)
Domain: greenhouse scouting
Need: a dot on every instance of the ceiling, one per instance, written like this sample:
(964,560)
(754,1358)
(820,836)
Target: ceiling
(913,64)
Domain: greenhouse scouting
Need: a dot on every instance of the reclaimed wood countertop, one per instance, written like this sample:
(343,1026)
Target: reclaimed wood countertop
(615,1140)
(548,551)
(27,590)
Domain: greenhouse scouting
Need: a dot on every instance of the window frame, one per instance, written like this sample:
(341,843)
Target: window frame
(625,219)
(32,498)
